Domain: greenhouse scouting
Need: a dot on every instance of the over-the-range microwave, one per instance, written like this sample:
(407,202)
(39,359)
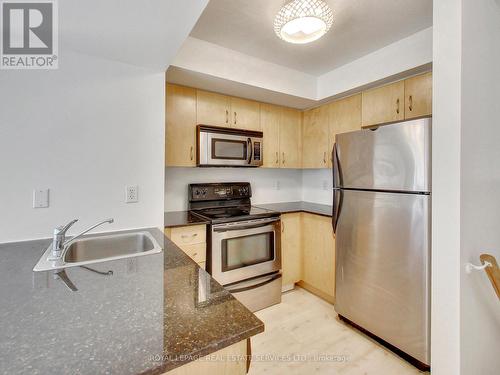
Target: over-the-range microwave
(228,147)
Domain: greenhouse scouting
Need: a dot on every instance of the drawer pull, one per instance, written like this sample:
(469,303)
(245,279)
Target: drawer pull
(189,236)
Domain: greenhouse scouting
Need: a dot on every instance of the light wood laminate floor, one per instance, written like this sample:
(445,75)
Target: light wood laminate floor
(302,336)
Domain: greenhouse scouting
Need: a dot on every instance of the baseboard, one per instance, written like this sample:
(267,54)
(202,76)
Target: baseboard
(324,296)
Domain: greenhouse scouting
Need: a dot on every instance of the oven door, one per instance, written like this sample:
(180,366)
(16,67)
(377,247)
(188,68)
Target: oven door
(219,149)
(245,249)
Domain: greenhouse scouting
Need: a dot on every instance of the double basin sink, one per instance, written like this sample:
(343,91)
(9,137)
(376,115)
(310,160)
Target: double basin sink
(96,249)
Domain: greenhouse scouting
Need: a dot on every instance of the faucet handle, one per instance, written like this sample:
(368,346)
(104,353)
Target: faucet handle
(64,228)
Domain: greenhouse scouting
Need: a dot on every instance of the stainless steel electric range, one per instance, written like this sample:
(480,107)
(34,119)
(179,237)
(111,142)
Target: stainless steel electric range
(244,243)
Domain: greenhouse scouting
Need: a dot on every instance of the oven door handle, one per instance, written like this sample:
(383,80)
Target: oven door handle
(254,286)
(243,227)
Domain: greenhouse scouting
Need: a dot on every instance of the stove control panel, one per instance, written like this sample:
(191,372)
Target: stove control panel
(222,191)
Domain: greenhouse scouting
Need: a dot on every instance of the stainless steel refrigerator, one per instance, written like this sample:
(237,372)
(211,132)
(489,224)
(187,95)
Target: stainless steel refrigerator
(381,220)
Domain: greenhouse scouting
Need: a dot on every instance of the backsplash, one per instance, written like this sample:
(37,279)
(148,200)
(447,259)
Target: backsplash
(268,185)
(317,186)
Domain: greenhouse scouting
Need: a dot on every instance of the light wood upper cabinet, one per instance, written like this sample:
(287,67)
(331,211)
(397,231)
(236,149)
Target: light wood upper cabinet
(418,96)
(213,109)
(245,114)
(315,138)
(270,119)
(180,133)
(383,104)
(345,116)
(318,248)
(291,254)
(290,138)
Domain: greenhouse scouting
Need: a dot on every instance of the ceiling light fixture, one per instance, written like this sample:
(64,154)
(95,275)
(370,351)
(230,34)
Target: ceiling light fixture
(303,21)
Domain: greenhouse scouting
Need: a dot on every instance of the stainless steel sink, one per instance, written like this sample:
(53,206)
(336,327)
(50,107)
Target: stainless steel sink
(95,249)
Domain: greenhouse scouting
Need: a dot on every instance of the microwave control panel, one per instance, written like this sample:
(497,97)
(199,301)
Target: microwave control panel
(257,150)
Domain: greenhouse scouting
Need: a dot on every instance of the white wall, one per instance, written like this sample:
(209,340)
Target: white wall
(294,184)
(403,55)
(84,131)
(480,184)
(263,182)
(211,59)
(317,185)
(445,293)
(236,71)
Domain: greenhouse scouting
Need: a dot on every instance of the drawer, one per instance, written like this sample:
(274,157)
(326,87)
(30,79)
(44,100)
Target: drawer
(188,235)
(197,252)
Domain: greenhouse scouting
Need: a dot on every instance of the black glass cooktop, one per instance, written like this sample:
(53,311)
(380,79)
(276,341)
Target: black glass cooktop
(219,214)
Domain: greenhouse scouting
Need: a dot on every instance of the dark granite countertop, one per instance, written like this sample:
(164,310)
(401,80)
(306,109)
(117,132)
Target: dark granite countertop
(288,207)
(156,312)
(181,219)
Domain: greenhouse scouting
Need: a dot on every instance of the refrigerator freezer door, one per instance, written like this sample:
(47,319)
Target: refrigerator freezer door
(382,267)
(393,157)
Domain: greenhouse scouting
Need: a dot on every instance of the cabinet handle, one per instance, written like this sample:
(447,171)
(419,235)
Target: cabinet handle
(191,153)
(411,103)
(189,235)
(277,157)
(324,157)
(234,118)
(282,227)
(283,159)
(227,116)
(397,109)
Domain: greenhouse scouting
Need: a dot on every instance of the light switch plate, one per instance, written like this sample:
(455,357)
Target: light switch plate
(40,198)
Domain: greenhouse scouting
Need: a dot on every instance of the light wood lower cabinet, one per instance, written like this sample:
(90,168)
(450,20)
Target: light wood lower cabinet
(192,240)
(180,132)
(232,360)
(318,255)
(291,253)
(308,253)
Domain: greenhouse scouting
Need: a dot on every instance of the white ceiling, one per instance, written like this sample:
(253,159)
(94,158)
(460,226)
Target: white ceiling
(359,28)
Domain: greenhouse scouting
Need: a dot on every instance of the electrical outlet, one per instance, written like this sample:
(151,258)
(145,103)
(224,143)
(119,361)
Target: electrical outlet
(278,185)
(40,198)
(325,185)
(132,194)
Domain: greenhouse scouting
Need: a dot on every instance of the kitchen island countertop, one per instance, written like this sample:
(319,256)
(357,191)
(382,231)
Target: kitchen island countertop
(154,313)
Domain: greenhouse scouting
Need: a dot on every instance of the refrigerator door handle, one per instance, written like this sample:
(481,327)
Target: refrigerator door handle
(338,196)
(336,172)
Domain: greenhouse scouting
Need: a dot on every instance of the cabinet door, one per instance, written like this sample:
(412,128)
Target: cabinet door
(345,116)
(180,133)
(318,253)
(383,104)
(246,114)
(290,138)
(291,255)
(213,109)
(270,117)
(418,96)
(315,138)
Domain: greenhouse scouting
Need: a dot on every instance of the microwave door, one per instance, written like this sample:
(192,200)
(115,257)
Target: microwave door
(227,150)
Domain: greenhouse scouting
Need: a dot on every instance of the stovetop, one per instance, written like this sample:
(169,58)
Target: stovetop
(225,202)
(230,214)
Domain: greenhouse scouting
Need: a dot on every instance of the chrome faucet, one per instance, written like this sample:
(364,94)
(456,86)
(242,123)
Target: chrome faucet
(59,242)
